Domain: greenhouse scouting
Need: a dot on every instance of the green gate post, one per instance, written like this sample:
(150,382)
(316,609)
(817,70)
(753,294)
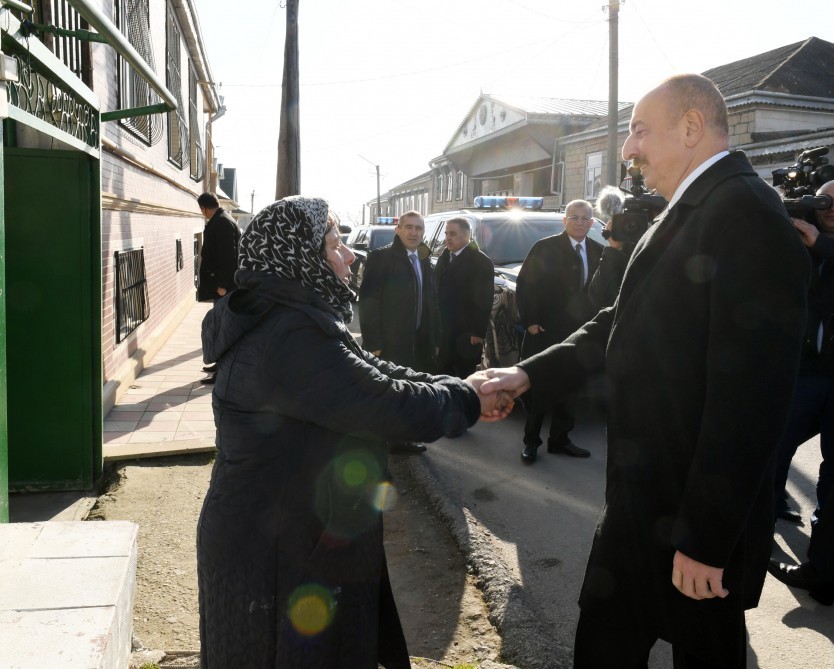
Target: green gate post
(4,435)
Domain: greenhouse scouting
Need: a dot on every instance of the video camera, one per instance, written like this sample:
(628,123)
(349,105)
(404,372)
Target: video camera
(639,207)
(800,181)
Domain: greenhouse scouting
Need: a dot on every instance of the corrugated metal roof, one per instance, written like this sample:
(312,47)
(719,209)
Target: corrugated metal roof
(535,105)
(803,68)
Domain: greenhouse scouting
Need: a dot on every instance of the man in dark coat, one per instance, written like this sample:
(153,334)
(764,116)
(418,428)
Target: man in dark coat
(465,285)
(397,304)
(701,351)
(812,409)
(552,293)
(218,257)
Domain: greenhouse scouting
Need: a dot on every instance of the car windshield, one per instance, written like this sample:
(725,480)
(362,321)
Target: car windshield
(507,241)
(382,238)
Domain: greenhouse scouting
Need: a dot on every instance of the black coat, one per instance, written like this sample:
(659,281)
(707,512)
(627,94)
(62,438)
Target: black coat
(388,307)
(465,287)
(820,309)
(291,520)
(548,291)
(701,350)
(218,256)
(605,283)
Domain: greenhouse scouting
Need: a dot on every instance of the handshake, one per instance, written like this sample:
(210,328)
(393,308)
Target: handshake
(497,389)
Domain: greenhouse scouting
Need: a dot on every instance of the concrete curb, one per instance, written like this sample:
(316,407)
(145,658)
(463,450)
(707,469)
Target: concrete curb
(525,641)
(156,449)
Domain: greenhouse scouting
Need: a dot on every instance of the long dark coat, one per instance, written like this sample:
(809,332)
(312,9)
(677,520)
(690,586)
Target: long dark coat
(465,288)
(702,350)
(548,290)
(291,567)
(388,307)
(218,256)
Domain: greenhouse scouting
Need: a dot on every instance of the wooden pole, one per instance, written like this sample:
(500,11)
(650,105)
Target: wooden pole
(288,181)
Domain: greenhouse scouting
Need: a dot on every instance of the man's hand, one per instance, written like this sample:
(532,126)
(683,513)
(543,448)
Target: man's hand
(613,243)
(495,406)
(507,382)
(807,232)
(535,329)
(476,340)
(221,292)
(697,580)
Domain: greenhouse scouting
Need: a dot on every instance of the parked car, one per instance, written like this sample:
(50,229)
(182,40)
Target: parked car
(362,240)
(505,229)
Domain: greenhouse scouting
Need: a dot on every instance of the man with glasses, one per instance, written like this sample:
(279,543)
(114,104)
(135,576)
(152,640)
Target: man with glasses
(552,293)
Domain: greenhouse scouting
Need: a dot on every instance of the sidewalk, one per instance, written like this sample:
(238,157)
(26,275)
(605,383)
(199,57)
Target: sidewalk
(167,410)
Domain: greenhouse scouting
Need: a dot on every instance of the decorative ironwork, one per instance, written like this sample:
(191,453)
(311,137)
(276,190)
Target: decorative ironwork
(132,304)
(179,261)
(177,128)
(196,157)
(46,100)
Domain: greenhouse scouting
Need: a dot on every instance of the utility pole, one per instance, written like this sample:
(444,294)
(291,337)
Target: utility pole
(378,199)
(252,205)
(613,94)
(288,181)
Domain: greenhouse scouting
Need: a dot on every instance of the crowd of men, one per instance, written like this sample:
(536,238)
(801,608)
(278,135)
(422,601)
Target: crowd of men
(684,541)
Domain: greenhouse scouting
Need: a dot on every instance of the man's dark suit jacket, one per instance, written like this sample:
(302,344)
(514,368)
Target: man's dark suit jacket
(465,287)
(388,307)
(701,351)
(548,291)
(218,256)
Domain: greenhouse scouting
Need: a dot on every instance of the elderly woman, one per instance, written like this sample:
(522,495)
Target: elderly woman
(291,566)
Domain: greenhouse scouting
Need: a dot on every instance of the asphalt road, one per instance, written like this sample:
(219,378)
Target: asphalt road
(527,530)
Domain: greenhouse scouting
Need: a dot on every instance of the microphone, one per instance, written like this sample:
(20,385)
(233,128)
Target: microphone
(609,202)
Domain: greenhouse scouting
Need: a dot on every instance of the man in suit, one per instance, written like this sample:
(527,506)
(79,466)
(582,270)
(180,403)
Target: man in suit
(465,287)
(701,351)
(218,257)
(552,294)
(397,304)
(812,408)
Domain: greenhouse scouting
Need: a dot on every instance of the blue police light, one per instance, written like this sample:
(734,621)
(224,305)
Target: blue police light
(504,202)
(387,220)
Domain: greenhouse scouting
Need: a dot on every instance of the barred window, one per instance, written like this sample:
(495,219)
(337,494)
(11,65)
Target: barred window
(438,187)
(196,157)
(134,22)
(71,51)
(179,262)
(177,128)
(460,185)
(132,305)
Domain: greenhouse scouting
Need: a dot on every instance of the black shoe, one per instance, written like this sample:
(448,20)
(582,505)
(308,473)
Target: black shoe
(209,379)
(791,515)
(406,447)
(210,369)
(568,448)
(528,455)
(805,577)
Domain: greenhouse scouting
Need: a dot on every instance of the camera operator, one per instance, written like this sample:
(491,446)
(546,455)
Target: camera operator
(812,407)
(605,284)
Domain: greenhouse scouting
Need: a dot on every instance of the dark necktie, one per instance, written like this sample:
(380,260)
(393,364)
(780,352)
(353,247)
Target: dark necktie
(415,265)
(578,250)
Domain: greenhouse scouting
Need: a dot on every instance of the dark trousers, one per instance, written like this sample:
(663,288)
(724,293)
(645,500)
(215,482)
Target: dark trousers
(562,421)
(821,548)
(601,646)
(811,413)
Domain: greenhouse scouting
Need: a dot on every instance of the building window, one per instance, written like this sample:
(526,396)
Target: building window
(132,305)
(71,51)
(177,128)
(179,261)
(438,187)
(460,185)
(450,185)
(196,158)
(593,175)
(134,91)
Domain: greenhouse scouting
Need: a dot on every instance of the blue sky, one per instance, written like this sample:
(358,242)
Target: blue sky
(390,80)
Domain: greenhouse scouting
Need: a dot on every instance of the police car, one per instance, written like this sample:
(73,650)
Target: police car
(366,238)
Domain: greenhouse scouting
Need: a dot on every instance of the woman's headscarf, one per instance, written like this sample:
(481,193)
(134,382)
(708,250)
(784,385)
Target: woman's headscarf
(285,238)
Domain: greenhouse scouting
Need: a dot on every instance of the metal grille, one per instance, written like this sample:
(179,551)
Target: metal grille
(132,304)
(134,91)
(196,157)
(180,263)
(177,129)
(74,53)
(196,262)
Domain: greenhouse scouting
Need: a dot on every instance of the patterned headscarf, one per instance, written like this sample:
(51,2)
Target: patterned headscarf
(285,238)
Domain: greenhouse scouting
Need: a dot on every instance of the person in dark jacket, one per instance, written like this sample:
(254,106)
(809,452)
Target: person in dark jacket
(290,560)
(812,408)
(604,286)
(398,307)
(552,293)
(465,285)
(218,256)
(701,352)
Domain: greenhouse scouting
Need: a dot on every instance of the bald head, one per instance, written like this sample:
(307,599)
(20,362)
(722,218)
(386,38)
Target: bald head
(695,91)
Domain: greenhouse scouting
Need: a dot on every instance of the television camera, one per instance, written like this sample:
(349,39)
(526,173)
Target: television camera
(800,181)
(639,207)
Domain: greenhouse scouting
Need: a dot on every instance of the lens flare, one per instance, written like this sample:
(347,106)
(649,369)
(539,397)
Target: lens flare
(354,472)
(311,609)
(385,497)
